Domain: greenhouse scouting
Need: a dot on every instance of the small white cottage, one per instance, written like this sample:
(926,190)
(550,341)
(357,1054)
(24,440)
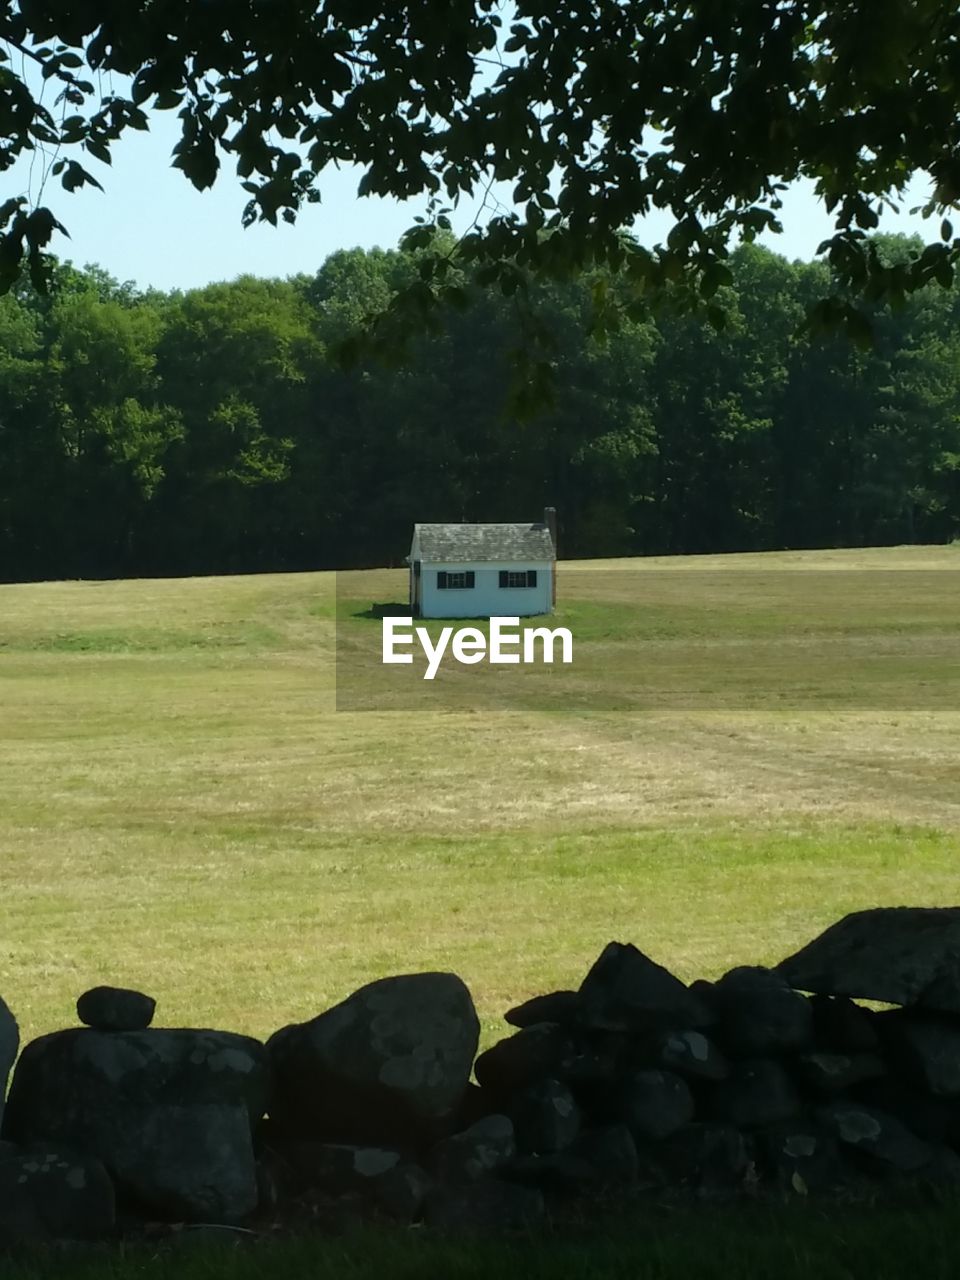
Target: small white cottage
(483,570)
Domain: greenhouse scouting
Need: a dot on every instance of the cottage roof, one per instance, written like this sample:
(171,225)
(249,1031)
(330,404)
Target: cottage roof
(446,543)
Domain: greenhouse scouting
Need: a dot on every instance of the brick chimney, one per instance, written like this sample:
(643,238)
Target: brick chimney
(550,520)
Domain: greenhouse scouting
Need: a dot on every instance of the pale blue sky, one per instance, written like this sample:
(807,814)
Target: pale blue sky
(151,226)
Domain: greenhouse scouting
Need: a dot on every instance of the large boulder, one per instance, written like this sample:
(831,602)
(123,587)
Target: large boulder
(901,955)
(627,991)
(169,1113)
(389,1064)
(9,1044)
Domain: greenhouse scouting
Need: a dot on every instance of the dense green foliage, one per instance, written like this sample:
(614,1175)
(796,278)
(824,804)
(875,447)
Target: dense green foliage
(588,115)
(218,430)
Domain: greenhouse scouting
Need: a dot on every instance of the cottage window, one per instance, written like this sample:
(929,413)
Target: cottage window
(518,578)
(455,580)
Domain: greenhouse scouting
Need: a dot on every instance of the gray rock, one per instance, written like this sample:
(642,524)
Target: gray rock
(115,1009)
(692,1054)
(712,1158)
(760,1014)
(478,1152)
(389,1064)
(942,1169)
(592,1069)
(704,991)
(47,1194)
(521,1060)
(928,1051)
(9,1044)
(474,1105)
(603,1159)
(553,1172)
(591,1066)
(400,1194)
(876,1134)
(488,1206)
(832,1073)
(560,1007)
(901,955)
(169,1113)
(801,1156)
(654,1104)
(627,991)
(336,1167)
(270,1182)
(934,1119)
(546,1118)
(376,1178)
(611,1153)
(841,1026)
(758,1092)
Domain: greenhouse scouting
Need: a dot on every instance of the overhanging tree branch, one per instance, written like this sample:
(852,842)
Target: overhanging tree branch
(601,111)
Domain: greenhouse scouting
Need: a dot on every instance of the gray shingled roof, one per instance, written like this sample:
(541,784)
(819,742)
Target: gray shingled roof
(444,543)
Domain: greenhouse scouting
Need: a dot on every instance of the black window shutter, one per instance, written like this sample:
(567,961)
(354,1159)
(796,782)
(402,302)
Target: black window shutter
(470,579)
(531,577)
(441,579)
(503,577)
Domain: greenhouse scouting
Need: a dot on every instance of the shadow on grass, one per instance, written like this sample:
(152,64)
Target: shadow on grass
(392,610)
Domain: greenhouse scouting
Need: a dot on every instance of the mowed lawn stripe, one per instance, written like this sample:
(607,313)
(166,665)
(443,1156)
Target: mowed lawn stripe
(183,808)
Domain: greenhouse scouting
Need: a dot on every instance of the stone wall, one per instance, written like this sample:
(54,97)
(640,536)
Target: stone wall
(767,1081)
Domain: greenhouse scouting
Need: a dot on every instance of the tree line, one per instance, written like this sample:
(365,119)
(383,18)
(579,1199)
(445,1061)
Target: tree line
(220,430)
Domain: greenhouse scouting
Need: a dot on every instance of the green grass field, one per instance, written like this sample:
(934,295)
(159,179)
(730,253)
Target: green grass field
(745,748)
(703,1242)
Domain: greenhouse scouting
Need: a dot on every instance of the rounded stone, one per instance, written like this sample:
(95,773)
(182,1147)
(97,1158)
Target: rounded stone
(388,1065)
(115,1009)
